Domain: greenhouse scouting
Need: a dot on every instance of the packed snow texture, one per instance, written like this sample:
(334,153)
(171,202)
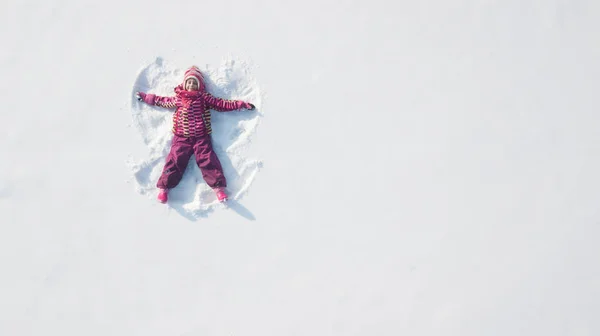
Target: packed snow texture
(232,133)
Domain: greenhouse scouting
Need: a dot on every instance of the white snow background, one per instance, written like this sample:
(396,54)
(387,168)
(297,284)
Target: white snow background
(428,168)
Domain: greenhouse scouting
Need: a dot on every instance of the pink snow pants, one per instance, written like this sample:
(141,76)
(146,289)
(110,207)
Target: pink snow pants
(181,150)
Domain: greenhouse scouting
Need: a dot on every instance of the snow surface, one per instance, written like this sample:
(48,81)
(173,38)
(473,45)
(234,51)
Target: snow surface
(428,168)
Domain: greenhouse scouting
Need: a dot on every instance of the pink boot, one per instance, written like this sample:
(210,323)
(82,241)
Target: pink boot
(221,195)
(163,195)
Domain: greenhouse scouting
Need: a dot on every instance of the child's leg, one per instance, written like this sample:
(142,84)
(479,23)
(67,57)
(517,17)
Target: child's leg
(209,163)
(177,160)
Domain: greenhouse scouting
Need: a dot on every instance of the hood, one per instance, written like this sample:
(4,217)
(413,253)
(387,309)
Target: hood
(195,73)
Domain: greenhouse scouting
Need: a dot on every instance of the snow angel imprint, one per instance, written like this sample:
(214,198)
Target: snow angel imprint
(192,132)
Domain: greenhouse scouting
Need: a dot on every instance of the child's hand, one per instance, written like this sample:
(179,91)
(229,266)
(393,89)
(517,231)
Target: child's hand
(250,106)
(147,98)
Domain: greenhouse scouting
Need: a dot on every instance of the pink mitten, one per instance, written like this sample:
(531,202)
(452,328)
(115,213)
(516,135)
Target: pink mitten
(146,98)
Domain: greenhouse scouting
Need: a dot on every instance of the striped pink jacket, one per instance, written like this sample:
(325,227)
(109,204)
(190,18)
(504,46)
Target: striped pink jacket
(192,110)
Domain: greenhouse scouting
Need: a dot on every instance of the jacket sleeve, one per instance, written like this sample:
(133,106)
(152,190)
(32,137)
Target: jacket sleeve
(166,102)
(223,105)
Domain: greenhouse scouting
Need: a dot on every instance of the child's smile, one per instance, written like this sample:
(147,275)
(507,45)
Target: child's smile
(191,84)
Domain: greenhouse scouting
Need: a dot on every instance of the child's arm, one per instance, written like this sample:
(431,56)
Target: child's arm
(152,99)
(223,105)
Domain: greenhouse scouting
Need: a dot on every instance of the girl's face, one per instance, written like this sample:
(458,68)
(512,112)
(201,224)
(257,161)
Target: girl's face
(191,85)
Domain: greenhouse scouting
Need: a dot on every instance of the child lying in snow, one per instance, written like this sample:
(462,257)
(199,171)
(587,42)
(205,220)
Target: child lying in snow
(191,129)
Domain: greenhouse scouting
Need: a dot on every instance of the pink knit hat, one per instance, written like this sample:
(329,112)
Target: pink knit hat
(195,73)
